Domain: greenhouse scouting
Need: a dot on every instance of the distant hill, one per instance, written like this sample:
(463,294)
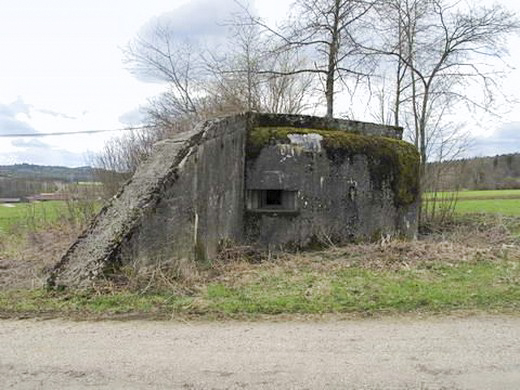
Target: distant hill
(50,173)
(22,180)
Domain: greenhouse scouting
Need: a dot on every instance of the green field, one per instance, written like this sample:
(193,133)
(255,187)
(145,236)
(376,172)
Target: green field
(505,202)
(41,214)
(30,213)
(465,194)
(495,206)
(489,194)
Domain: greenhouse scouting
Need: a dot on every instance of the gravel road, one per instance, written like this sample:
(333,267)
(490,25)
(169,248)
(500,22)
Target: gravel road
(478,352)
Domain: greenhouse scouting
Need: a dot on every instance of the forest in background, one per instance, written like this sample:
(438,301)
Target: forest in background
(479,173)
(21,180)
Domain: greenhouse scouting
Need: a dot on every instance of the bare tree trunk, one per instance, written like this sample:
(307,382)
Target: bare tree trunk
(329,95)
(332,63)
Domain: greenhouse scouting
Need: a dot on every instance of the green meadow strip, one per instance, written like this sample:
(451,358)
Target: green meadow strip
(483,285)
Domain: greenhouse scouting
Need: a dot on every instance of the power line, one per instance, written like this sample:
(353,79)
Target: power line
(15,135)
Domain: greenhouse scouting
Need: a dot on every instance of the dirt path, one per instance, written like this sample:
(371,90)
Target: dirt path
(480,352)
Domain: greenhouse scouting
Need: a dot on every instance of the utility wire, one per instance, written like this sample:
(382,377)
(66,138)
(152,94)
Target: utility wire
(13,135)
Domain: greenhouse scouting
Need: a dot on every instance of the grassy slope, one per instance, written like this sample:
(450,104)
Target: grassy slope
(491,286)
(476,269)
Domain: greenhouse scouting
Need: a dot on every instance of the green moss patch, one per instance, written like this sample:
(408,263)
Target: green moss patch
(389,159)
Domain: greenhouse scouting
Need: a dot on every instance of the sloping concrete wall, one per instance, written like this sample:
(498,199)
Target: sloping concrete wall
(179,204)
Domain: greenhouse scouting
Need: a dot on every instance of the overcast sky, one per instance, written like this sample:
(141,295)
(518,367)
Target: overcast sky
(62,71)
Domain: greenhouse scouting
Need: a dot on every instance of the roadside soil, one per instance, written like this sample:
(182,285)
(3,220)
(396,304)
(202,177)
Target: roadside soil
(475,352)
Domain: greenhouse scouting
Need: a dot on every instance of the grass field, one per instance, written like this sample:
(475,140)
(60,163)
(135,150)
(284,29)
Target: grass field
(301,288)
(41,214)
(31,213)
(505,202)
(491,194)
(496,206)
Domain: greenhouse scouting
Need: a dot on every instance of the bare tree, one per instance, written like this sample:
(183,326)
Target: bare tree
(160,57)
(200,83)
(203,82)
(239,80)
(235,82)
(288,93)
(441,48)
(121,156)
(442,56)
(327,32)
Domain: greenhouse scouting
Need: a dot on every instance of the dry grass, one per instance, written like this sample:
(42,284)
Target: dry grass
(471,265)
(467,241)
(25,257)
(35,240)
(23,261)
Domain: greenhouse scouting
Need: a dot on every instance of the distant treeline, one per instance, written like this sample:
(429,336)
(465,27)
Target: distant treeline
(42,172)
(17,188)
(22,180)
(480,173)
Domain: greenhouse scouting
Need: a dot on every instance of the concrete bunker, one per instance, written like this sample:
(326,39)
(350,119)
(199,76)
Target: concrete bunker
(265,180)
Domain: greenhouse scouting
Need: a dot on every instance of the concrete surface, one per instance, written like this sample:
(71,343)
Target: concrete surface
(479,352)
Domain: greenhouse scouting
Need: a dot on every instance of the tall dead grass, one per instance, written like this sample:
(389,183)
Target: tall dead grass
(34,244)
(468,240)
(25,258)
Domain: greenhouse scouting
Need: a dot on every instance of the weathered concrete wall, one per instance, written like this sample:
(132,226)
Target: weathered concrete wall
(349,187)
(189,196)
(205,204)
(179,204)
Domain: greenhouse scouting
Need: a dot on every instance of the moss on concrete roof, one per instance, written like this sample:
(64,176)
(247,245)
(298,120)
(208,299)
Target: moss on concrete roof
(388,158)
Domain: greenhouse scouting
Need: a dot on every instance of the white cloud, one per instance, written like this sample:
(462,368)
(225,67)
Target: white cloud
(56,114)
(197,20)
(29,143)
(56,157)
(16,119)
(9,118)
(505,140)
